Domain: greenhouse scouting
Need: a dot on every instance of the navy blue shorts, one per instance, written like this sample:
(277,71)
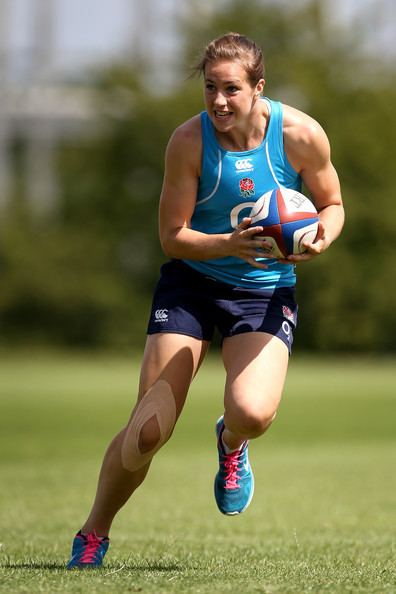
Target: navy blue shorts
(187,302)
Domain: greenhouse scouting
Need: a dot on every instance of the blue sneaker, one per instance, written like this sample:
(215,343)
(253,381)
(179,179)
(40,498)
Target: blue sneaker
(88,550)
(234,483)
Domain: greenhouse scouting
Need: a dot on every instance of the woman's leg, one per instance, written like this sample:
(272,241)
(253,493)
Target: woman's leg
(256,365)
(170,362)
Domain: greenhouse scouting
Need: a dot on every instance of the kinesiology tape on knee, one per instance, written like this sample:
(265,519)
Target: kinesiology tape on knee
(158,402)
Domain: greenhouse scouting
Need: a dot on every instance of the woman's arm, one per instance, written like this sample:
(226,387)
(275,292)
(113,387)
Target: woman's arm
(177,203)
(308,151)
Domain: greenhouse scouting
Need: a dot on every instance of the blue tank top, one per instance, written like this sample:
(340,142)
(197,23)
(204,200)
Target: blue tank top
(229,185)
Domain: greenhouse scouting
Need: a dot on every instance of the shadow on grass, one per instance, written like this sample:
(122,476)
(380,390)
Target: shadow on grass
(40,565)
(33,565)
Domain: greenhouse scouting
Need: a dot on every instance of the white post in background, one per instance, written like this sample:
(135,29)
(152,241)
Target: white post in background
(40,172)
(5,182)
(43,40)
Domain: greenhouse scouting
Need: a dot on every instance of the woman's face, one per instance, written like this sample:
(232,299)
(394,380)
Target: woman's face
(229,95)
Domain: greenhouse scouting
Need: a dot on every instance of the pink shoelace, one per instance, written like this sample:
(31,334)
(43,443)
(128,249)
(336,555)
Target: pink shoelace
(93,542)
(231,462)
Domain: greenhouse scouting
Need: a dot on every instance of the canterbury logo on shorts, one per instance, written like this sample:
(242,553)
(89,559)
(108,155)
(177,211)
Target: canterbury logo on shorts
(161,315)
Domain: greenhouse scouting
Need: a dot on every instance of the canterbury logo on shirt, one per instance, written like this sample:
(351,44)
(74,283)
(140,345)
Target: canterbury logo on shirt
(244,165)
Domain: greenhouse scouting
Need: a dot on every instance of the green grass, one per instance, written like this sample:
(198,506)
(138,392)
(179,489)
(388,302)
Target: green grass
(322,519)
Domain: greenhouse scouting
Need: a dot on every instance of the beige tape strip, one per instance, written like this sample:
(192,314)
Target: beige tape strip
(159,402)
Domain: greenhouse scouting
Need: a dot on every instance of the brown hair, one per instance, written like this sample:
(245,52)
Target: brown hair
(235,47)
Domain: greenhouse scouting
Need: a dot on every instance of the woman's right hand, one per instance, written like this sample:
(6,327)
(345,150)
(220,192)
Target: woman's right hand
(248,245)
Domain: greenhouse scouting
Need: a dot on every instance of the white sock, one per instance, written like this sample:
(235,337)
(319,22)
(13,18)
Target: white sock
(229,450)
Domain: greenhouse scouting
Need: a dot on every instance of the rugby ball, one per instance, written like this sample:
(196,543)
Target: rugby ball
(289,218)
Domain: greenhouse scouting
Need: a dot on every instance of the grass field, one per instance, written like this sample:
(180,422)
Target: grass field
(322,519)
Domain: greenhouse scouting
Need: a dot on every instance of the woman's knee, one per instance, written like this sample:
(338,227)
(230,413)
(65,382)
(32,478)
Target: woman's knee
(149,436)
(250,421)
(150,426)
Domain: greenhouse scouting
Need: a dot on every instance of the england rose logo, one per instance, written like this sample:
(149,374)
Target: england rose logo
(287,312)
(246,187)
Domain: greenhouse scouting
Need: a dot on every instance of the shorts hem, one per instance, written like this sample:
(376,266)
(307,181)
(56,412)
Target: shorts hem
(270,332)
(183,333)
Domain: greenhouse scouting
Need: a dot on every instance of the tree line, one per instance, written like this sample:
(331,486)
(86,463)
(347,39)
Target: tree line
(84,277)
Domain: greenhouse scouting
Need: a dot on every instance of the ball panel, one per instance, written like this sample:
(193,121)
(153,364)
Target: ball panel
(307,234)
(265,209)
(273,234)
(296,232)
(288,217)
(261,208)
(293,205)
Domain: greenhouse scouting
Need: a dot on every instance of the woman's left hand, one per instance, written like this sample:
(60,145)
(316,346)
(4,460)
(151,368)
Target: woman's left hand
(319,245)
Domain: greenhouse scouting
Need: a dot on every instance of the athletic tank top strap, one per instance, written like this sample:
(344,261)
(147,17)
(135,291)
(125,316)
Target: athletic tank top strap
(211,166)
(282,172)
(208,134)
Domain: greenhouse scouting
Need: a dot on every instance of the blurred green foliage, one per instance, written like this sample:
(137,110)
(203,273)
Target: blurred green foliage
(85,277)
